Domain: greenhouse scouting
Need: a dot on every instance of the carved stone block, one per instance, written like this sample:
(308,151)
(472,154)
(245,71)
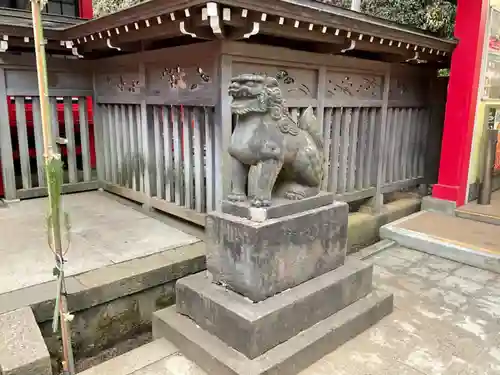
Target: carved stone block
(260,259)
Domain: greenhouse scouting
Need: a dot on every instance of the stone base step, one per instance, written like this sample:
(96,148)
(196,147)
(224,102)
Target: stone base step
(254,328)
(139,359)
(217,358)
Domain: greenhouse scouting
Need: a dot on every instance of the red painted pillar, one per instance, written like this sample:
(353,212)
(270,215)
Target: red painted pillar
(90,113)
(86,10)
(461,102)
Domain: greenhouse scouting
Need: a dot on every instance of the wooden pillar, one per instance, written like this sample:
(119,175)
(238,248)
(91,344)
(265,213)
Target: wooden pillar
(223,133)
(461,103)
(7,174)
(378,200)
(145,146)
(98,134)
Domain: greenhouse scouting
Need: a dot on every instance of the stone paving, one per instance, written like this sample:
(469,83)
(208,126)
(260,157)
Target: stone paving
(445,322)
(103,232)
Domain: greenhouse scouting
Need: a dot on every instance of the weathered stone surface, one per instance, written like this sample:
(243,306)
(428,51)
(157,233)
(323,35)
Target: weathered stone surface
(254,328)
(105,325)
(22,349)
(134,360)
(109,283)
(438,205)
(116,302)
(123,279)
(175,364)
(104,232)
(280,207)
(271,154)
(290,357)
(438,332)
(260,259)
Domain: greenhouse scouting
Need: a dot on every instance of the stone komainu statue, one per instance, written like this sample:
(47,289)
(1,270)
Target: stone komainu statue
(270,152)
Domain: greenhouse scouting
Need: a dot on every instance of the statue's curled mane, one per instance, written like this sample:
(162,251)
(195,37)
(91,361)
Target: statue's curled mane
(275,102)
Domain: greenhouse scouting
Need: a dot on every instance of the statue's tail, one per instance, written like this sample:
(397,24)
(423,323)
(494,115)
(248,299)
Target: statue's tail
(309,123)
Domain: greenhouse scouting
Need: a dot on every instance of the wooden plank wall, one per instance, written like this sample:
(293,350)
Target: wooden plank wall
(166,122)
(376,116)
(21,141)
(163,122)
(159,129)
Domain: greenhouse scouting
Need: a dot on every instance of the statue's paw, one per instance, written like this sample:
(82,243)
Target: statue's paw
(237,197)
(294,196)
(260,202)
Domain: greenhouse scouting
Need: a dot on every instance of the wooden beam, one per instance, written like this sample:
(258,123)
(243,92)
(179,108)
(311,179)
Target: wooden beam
(209,50)
(326,42)
(213,15)
(156,31)
(287,30)
(22,31)
(52,45)
(332,49)
(165,30)
(26,62)
(406,53)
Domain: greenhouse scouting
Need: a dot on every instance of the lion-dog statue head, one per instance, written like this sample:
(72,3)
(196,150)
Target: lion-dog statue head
(254,93)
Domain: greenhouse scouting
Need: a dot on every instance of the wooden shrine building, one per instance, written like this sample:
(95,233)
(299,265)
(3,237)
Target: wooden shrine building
(159,121)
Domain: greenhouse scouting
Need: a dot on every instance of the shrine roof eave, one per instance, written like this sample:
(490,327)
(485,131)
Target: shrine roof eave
(300,20)
(19,22)
(16,29)
(137,13)
(349,20)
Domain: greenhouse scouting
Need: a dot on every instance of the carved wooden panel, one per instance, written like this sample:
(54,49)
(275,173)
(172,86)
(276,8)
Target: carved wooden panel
(25,82)
(345,85)
(172,83)
(295,83)
(119,83)
(408,88)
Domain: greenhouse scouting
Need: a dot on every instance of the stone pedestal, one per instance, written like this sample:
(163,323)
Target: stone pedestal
(278,293)
(259,252)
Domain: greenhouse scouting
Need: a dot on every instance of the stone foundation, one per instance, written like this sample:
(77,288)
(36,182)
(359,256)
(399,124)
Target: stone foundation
(283,248)
(278,294)
(254,328)
(216,357)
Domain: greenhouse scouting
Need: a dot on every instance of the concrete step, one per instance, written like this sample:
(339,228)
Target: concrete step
(136,361)
(465,213)
(22,348)
(488,213)
(462,240)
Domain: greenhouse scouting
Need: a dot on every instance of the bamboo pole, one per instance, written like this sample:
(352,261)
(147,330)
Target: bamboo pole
(53,170)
